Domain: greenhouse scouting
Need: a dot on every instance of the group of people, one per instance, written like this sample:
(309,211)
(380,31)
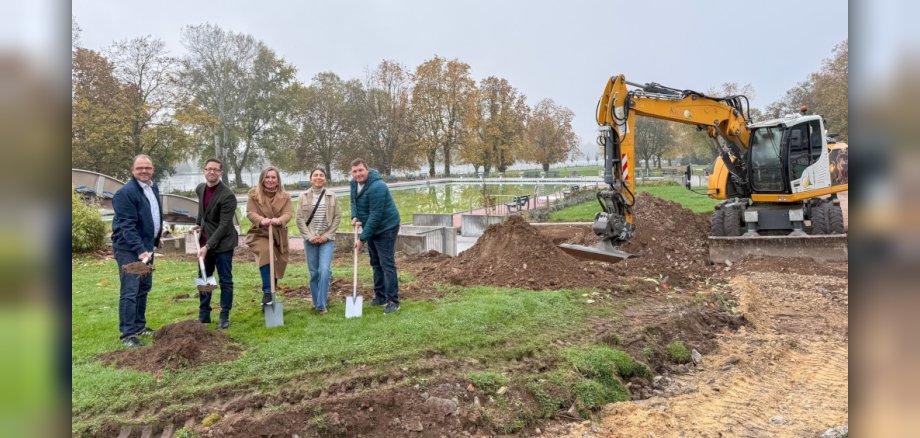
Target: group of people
(137,226)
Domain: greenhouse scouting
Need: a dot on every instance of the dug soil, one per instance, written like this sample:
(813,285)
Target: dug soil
(185,344)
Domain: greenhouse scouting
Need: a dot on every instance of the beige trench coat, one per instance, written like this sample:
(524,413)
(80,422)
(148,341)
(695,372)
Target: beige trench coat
(278,206)
(333,215)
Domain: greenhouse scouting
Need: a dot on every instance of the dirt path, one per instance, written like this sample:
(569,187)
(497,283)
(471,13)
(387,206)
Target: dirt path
(785,374)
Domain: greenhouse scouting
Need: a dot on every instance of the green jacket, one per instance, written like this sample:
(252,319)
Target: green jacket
(374,206)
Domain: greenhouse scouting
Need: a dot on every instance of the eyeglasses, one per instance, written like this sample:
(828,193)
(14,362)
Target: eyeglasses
(212,170)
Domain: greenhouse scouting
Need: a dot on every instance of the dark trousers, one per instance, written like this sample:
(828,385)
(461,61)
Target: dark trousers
(132,301)
(223,262)
(382,250)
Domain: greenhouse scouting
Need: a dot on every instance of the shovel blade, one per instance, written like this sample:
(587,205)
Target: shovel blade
(200,282)
(211,281)
(274,314)
(353,306)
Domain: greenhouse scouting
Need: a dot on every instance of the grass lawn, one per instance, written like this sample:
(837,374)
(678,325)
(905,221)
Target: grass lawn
(488,324)
(586,211)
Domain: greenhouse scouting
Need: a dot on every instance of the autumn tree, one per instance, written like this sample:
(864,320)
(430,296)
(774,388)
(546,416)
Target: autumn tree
(442,97)
(502,113)
(101,116)
(383,131)
(144,65)
(324,124)
(653,138)
(550,136)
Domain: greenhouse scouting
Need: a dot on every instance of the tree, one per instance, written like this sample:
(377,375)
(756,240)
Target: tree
(442,98)
(550,136)
(383,130)
(653,138)
(100,117)
(500,127)
(214,73)
(323,122)
(244,87)
(144,66)
(265,122)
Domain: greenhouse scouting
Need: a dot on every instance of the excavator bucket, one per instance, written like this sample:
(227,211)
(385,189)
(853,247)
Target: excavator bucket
(602,251)
(822,248)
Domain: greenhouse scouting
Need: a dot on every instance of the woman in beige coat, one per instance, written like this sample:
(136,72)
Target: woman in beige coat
(318,218)
(269,205)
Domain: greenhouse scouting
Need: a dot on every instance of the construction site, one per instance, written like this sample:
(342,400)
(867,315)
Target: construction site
(755,347)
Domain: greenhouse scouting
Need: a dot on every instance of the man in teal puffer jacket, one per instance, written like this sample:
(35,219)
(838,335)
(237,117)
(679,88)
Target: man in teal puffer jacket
(373,208)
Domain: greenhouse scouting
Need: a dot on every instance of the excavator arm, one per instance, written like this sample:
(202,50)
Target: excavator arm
(616,117)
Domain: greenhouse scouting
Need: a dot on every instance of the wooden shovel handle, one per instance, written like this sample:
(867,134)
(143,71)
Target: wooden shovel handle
(271,258)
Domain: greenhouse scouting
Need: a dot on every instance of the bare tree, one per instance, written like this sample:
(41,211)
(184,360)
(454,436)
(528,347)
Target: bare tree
(214,73)
(384,128)
(144,65)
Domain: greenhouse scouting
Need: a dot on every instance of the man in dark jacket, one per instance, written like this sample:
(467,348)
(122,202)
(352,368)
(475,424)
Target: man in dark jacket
(135,234)
(218,238)
(373,208)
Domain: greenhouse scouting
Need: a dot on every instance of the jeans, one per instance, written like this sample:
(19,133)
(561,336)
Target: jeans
(132,301)
(319,262)
(223,261)
(382,250)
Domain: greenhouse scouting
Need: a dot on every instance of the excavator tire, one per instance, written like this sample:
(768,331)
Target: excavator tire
(834,219)
(819,219)
(716,223)
(732,220)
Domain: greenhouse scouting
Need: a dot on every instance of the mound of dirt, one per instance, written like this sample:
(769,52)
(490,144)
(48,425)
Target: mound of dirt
(515,254)
(670,241)
(185,344)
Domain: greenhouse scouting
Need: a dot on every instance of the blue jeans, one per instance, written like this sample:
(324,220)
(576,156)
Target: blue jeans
(132,301)
(223,261)
(319,261)
(382,250)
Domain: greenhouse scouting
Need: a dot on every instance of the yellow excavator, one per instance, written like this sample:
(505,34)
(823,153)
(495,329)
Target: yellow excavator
(773,177)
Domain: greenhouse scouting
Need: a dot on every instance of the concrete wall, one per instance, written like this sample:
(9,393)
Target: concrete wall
(407,243)
(476,224)
(433,220)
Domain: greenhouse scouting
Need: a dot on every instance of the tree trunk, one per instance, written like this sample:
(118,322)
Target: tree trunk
(221,145)
(431,157)
(238,178)
(447,161)
(546,167)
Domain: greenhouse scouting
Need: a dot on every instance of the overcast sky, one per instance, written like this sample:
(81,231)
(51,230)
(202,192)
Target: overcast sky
(563,50)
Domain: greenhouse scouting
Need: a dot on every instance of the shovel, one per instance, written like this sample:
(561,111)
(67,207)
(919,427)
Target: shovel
(274,314)
(204,283)
(354,303)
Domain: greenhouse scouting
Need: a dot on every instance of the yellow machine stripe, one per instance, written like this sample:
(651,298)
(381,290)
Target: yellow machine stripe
(796,197)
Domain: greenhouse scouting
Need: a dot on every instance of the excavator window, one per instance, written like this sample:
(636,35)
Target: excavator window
(804,147)
(766,159)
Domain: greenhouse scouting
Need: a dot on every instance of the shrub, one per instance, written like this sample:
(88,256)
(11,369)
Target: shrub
(487,380)
(88,230)
(678,352)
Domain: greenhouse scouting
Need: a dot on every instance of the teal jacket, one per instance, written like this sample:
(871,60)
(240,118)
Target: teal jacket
(374,206)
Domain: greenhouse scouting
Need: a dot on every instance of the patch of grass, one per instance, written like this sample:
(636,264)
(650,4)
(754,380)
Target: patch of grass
(509,323)
(586,211)
(678,352)
(488,381)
